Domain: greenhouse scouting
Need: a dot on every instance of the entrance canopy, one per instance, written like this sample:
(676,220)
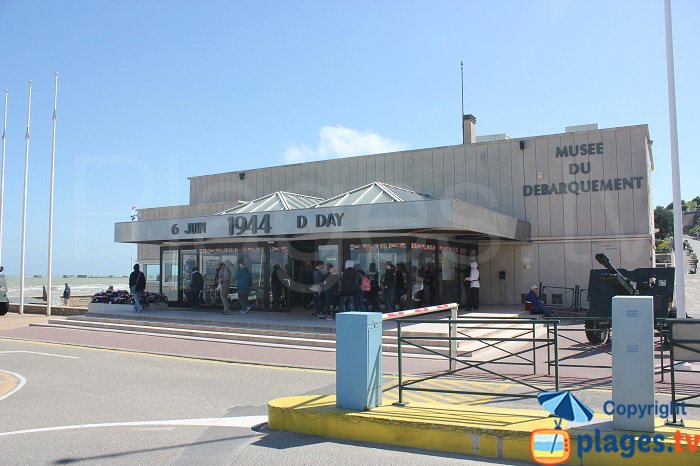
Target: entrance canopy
(377,208)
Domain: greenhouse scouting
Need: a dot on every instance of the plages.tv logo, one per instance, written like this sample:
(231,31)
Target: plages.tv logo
(553,446)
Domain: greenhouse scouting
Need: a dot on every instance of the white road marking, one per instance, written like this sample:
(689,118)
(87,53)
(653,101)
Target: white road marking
(22,381)
(43,354)
(241,421)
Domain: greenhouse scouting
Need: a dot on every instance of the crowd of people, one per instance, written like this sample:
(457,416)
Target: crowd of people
(328,291)
(353,288)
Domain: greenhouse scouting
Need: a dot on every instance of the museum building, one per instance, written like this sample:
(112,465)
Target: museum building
(530,210)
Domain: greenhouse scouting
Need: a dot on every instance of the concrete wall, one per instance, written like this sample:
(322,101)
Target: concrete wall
(689,220)
(491,175)
(553,263)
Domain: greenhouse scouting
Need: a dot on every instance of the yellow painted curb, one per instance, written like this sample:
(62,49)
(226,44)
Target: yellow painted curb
(472,430)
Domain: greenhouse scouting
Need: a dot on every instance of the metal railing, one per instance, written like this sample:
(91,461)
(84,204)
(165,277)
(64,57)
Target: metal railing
(684,346)
(582,346)
(567,295)
(528,339)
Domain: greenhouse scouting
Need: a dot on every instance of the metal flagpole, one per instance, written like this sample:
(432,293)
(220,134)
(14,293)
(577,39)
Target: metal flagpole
(53,152)
(24,203)
(675,168)
(2,175)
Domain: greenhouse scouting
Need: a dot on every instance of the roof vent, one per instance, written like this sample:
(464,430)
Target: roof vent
(493,137)
(578,128)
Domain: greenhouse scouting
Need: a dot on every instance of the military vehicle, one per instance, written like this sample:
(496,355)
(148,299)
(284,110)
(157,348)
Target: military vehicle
(603,284)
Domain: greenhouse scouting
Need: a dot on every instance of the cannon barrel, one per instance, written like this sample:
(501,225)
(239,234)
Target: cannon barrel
(605,262)
(616,279)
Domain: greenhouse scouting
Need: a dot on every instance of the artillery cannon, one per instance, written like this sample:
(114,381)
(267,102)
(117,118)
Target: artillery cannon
(603,284)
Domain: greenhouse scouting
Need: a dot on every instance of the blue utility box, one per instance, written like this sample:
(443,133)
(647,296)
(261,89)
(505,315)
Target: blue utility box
(358,360)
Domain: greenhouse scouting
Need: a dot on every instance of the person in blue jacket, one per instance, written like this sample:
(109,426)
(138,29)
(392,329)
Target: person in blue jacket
(534,305)
(244,281)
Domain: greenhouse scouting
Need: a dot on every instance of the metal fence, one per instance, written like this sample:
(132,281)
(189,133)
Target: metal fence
(683,340)
(456,332)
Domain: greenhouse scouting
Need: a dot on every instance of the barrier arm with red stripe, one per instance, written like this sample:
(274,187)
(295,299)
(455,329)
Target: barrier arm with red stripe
(427,310)
(422,310)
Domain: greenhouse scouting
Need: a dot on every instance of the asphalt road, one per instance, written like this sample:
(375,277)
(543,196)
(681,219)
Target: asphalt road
(89,406)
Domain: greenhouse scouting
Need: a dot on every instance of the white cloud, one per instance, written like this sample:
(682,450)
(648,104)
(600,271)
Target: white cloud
(338,141)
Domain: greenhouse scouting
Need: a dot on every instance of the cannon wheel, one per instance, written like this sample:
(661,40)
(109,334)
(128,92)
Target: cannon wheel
(596,333)
(4,307)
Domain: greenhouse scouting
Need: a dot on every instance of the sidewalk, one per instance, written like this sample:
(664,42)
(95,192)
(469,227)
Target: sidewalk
(692,283)
(12,320)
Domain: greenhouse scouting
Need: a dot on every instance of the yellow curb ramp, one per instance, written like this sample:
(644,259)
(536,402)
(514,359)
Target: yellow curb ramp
(484,431)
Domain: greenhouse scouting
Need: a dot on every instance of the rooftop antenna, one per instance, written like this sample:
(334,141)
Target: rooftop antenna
(461,68)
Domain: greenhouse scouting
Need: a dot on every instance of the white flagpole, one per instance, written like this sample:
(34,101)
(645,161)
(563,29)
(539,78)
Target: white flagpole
(53,153)
(24,203)
(675,168)
(2,175)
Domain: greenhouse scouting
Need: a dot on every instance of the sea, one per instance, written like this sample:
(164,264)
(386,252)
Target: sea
(79,286)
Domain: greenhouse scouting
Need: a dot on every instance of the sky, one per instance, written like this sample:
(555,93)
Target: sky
(151,92)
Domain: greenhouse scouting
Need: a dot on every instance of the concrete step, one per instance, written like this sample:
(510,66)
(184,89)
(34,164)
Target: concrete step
(233,321)
(318,332)
(291,339)
(251,328)
(482,352)
(288,334)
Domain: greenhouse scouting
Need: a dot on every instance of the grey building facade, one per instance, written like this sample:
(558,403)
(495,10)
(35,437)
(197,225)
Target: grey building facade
(558,200)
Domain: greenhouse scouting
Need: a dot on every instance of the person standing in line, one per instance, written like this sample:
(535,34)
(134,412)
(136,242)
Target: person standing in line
(331,293)
(362,284)
(66,295)
(473,280)
(306,278)
(137,283)
(400,294)
(276,286)
(224,277)
(319,295)
(467,289)
(348,288)
(196,287)
(373,293)
(389,286)
(244,282)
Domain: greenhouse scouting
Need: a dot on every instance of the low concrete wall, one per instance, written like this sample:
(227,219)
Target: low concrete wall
(79,301)
(55,310)
(106,307)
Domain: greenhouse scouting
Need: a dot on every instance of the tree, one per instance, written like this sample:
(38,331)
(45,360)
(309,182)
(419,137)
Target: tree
(663,220)
(663,246)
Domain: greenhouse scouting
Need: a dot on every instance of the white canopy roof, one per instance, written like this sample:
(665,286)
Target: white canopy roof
(373,193)
(279,200)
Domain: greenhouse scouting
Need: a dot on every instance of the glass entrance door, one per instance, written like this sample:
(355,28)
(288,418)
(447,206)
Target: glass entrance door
(170,274)
(188,260)
(448,274)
